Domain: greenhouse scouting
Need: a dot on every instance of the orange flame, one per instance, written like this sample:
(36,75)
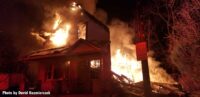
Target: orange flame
(59,38)
(129,67)
(57,21)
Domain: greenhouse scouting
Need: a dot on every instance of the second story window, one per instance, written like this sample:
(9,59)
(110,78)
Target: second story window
(82,30)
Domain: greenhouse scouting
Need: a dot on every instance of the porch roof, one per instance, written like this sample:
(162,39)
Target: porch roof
(80,47)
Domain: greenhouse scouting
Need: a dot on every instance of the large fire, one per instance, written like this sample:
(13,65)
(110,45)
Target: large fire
(59,38)
(127,66)
(123,56)
(59,34)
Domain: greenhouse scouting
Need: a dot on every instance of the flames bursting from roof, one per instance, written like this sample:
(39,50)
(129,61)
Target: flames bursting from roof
(58,35)
(59,38)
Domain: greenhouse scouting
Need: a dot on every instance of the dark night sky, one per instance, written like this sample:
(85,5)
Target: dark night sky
(122,9)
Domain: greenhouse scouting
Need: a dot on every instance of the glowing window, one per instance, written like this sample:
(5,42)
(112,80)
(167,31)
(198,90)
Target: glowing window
(95,63)
(82,30)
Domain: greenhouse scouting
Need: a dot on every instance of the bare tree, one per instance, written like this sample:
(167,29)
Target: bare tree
(182,19)
(184,42)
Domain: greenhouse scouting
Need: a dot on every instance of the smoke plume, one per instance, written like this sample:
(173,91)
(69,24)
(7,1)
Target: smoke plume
(121,38)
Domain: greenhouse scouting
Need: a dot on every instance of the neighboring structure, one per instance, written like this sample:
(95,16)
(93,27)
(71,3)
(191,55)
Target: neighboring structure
(82,67)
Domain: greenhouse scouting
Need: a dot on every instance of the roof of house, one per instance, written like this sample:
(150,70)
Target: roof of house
(96,20)
(79,47)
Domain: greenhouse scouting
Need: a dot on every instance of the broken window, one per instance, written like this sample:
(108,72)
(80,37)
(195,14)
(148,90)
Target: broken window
(95,68)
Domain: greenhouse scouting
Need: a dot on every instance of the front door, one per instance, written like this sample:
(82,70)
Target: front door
(84,83)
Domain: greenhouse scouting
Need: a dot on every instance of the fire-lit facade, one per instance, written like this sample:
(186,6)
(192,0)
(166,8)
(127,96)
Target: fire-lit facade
(81,67)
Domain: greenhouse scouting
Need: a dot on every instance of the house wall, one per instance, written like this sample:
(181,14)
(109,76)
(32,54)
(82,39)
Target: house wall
(79,73)
(33,70)
(78,77)
(48,66)
(98,34)
(95,31)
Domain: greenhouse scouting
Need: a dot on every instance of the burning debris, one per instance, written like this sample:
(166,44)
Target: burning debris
(158,89)
(124,61)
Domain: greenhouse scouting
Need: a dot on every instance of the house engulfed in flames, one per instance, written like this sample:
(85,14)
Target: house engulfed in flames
(80,66)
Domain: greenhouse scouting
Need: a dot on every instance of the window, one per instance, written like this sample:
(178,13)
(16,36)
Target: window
(54,71)
(95,68)
(95,64)
(82,30)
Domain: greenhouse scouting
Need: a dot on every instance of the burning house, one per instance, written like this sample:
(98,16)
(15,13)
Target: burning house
(79,62)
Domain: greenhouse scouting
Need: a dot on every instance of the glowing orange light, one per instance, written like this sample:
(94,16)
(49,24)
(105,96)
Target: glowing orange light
(57,21)
(128,67)
(122,64)
(59,38)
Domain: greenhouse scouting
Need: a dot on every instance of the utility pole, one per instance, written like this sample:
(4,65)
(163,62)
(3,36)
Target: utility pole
(146,79)
(141,52)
